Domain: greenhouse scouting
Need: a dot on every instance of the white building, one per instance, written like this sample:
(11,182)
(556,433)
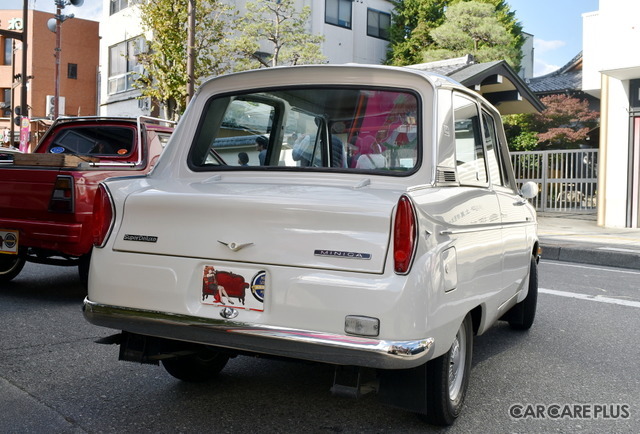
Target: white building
(354,31)
(611,71)
(526,63)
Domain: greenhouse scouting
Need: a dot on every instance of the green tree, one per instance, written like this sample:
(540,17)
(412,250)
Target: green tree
(563,124)
(278,25)
(472,28)
(164,78)
(411,24)
(413,21)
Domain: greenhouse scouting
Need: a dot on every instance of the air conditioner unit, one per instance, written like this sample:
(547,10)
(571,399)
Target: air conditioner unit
(50,106)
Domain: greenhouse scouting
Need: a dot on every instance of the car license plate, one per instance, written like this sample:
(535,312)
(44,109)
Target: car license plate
(240,289)
(8,241)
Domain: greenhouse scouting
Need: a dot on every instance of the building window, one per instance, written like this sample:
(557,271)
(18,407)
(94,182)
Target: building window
(7,58)
(118,5)
(338,13)
(124,68)
(378,24)
(72,71)
(5,104)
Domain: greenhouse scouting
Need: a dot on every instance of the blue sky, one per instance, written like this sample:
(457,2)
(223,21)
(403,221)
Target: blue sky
(556,26)
(90,10)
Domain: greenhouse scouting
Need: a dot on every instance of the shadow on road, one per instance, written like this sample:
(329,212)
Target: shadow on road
(45,283)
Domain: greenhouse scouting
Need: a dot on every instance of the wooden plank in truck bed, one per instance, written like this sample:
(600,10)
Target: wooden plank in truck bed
(51,160)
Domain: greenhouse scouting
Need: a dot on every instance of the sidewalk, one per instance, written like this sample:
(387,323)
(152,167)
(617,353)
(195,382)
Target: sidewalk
(577,238)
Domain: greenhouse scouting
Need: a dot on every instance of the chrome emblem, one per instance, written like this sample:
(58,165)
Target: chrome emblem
(228,313)
(142,238)
(235,246)
(340,254)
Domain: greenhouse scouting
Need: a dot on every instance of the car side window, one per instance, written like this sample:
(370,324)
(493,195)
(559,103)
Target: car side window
(492,147)
(470,154)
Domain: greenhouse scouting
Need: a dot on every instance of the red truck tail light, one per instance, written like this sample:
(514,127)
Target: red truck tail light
(404,236)
(62,197)
(102,216)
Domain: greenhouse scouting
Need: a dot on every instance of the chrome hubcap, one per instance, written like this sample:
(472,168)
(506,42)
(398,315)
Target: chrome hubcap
(457,357)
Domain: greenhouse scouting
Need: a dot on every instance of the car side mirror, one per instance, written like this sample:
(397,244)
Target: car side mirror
(529,190)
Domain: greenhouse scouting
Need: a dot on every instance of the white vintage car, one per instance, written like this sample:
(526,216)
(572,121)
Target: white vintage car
(361,216)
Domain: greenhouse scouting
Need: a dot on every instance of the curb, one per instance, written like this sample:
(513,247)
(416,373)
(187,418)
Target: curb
(591,256)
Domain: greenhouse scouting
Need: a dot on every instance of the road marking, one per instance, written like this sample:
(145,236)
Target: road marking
(597,298)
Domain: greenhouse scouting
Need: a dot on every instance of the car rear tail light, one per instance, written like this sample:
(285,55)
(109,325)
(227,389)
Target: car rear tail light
(102,216)
(62,199)
(404,236)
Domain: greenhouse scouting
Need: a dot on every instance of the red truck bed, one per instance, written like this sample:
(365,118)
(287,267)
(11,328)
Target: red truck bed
(46,202)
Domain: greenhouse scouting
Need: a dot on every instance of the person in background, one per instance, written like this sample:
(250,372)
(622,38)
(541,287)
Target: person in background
(243,159)
(261,144)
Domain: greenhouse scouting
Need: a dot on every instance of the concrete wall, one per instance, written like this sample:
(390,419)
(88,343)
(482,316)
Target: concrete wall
(116,28)
(610,60)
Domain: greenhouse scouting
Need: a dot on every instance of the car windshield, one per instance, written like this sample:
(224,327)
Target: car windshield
(344,129)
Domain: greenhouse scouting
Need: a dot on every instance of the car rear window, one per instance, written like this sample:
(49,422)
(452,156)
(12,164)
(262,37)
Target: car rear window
(116,141)
(345,129)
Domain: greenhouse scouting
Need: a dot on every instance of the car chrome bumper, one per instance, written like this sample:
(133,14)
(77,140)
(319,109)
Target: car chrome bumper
(286,342)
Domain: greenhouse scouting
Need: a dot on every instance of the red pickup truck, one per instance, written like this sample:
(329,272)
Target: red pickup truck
(47,197)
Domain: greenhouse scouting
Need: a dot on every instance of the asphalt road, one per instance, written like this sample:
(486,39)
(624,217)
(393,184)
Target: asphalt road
(576,370)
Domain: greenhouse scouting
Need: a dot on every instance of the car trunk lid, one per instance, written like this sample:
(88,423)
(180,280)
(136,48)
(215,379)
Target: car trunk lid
(316,226)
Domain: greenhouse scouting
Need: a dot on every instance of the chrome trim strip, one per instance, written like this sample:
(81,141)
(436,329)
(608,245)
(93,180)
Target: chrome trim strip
(279,341)
(481,228)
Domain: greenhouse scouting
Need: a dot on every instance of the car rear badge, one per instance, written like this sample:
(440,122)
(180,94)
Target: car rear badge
(235,246)
(141,238)
(340,254)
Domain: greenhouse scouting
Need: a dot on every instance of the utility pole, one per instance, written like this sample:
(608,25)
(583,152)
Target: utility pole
(55,25)
(56,75)
(191,41)
(23,90)
(20,36)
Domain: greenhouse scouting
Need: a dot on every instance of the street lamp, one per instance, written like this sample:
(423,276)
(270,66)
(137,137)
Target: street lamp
(54,24)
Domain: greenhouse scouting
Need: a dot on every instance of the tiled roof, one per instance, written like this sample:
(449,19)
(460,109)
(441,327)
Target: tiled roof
(466,71)
(446,67)
(566,78)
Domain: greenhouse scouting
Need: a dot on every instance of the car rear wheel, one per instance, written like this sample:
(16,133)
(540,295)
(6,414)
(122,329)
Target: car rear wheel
(10,266)
(199,367)
(448,378)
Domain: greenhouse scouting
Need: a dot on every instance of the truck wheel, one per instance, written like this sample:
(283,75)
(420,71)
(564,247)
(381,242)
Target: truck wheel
(448,378)
(199,367)
(10,266)
(83,268)
(521,315)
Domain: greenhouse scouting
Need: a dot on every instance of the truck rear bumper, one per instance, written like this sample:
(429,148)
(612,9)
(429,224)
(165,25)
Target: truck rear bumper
(286,342)
(63,237)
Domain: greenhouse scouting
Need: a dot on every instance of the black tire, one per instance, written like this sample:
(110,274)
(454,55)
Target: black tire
(521,315)
(196,368)
(10,266)
(448,378)
(83,268)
